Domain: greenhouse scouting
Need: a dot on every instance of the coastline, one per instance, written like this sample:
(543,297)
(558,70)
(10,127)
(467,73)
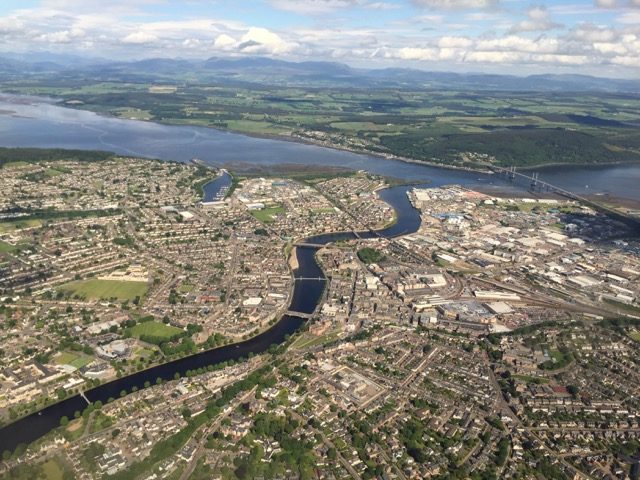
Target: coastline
(307,141)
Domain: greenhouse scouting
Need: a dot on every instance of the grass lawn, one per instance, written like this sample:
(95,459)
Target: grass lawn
(7,227)
(107,289)
(19,163)
(531,379)
(186,288)
(155,329)
(7,247)
(75,429)
(65,358)
(556,355)
(307,340)
(100,422)
(141,352)
(81,361)
(77,360)
(266,214)
(635,336)
(52,470)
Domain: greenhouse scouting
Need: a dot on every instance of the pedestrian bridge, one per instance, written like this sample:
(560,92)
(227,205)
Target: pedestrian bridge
(299,314)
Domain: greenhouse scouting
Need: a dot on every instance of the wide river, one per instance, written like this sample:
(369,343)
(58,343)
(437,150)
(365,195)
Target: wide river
(305,298)
(36,122)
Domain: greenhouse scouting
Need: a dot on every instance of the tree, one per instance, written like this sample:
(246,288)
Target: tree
(62,393)
(64,421)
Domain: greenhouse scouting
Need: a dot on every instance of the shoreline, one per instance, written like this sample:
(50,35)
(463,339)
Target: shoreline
(307,141)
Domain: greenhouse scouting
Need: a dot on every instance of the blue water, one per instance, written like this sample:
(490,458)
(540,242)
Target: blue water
(37,122)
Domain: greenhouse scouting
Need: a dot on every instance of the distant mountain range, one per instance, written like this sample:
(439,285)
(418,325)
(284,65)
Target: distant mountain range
(268,71)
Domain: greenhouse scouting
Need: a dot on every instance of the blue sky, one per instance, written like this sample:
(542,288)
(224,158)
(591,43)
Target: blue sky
(600,37)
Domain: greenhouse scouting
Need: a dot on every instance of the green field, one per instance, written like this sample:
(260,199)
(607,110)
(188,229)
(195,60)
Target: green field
(308,340)
(449,127)
(17,164)
(77,360)
(635,336)
(186,287)
(7,247)
(266,214)
(8,227)
(52,470)
(531,379)
(155,329)
(106,289)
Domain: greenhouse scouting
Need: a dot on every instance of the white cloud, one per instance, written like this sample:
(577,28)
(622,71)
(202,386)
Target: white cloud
(629,18)
(538,21)
(561,59)
(617,3)
(413,53)
(456,4)
(493,57)
(514,43)
(626,61)
(312,6)
(259,40)
(443,37)
(140,38)
(62,36)
(454,42)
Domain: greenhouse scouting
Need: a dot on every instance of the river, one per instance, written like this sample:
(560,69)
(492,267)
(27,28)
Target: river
(39,122)
(306,295)
(36,122)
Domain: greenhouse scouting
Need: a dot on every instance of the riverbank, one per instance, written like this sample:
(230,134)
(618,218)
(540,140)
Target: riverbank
(306,296)
(333,146)
(58,127)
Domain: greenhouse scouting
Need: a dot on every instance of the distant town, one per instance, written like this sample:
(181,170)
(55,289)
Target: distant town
(499,340)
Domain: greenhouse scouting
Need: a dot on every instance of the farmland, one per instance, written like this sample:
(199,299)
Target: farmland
(448,127)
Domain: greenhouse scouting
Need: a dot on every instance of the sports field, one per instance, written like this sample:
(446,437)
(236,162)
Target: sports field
(106,289)
(266,214)
(77,360)
(154,329)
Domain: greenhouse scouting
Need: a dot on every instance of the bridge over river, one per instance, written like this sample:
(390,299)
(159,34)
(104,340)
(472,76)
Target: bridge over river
(535,184)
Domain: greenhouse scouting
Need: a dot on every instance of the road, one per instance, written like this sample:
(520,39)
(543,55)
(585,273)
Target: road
(210,429)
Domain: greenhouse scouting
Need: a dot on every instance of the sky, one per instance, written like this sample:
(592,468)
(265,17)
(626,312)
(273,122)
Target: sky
(595,37)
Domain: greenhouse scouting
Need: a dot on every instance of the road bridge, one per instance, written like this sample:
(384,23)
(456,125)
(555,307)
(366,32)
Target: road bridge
(299,314)
(536,184)
(304,279)
(307,244)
